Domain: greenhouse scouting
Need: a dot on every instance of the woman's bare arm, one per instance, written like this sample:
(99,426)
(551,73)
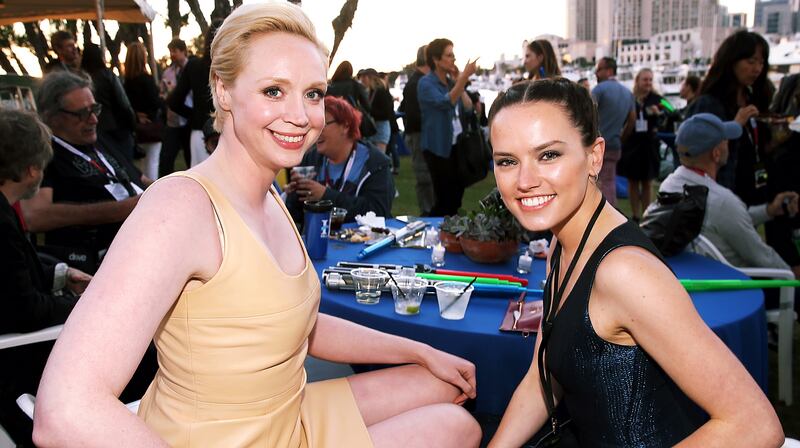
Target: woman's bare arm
(657,312)
(105,337)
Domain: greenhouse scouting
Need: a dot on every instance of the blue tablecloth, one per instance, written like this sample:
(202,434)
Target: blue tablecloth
(502,359)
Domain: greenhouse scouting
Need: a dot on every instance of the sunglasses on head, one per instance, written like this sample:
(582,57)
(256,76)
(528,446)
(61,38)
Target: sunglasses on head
(83,114)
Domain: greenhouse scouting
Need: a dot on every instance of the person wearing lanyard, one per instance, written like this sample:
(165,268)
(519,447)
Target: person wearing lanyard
(89,188)
(729,224)
(631,360)
(353,175)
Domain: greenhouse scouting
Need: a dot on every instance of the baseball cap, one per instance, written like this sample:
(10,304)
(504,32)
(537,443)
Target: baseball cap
(703,132)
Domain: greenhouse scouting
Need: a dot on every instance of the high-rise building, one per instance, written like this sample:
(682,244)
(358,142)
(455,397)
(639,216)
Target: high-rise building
(774,17)
(620,22)
(673,15)
(737,20)
(582,20)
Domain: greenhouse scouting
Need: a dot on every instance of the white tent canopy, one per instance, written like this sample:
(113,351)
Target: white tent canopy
(131,11)
(127,11)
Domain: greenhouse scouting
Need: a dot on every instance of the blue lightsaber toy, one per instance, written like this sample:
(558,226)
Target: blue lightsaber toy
(409,229)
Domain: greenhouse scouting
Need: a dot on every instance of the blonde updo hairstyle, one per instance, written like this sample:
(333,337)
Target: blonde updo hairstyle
(229,49)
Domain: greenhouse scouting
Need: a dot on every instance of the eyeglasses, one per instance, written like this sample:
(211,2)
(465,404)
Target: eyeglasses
(83,114)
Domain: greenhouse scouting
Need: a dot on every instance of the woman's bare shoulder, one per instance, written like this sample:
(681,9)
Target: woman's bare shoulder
(636,279)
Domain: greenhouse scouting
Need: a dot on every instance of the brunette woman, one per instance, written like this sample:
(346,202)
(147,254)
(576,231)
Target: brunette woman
(737,88)
(621,344)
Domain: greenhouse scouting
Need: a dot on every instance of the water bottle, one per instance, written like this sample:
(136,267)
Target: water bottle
(315,227)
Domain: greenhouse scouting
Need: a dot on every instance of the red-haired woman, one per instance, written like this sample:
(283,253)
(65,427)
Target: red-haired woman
(352,174)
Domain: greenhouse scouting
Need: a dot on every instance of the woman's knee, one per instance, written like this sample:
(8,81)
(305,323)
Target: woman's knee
(430,385)
(462,426)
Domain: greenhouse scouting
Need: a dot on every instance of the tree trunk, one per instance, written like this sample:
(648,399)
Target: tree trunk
(5,64)
(174,17)
(87,33)
(222,8)
(194,5)
(72,27)
(38,42)
(112,44)
(21,66)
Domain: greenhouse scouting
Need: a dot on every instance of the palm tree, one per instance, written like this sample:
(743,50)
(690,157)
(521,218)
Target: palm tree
(341,23)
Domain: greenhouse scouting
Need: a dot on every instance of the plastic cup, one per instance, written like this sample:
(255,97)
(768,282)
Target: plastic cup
(305,172)
(452,303)
(337,218)
(413,289)
(368,283)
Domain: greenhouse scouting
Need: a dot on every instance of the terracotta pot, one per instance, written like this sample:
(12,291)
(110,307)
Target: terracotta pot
(489,251)
(450,242)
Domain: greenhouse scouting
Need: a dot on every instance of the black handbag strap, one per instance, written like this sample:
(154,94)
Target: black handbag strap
(554,292)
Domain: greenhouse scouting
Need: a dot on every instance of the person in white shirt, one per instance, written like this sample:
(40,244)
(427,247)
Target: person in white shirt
(729,224)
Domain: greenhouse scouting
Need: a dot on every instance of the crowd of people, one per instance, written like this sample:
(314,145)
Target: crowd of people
(231,371)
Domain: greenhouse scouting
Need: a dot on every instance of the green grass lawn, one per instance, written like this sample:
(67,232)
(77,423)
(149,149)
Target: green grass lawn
(406,203)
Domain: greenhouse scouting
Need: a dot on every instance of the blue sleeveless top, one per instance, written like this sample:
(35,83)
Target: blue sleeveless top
(616,395)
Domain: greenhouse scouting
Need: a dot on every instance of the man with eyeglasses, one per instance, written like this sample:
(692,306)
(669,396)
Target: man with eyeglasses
(89,188)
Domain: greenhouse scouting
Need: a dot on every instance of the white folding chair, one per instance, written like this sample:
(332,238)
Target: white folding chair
(784,316)
(791,443)
(18,339)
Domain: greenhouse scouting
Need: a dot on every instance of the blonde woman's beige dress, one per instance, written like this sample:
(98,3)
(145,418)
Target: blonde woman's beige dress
(231,355)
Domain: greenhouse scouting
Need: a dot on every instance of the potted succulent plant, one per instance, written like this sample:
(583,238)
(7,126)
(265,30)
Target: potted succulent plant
(492,235)
(450,229)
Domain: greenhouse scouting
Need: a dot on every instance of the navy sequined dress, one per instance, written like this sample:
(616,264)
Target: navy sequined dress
(616,395)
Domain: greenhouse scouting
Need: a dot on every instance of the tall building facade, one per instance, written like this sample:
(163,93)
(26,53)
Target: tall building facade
(775,17)
(620,22)
(673,15)
(582,20)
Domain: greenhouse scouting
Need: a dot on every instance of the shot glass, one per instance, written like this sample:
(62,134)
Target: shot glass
(337,218)
(305,172)
(368,283)
(408,293)
(452,302)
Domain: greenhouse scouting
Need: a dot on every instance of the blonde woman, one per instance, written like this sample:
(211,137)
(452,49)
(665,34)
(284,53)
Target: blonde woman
(143,95)
(640,159)
(232,305)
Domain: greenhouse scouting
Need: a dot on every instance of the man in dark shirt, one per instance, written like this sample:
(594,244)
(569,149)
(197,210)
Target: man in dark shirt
(28,302)
(89,188)
(413,126)
(63,44)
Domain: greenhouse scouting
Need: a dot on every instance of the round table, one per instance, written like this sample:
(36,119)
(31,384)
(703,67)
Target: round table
(502,359)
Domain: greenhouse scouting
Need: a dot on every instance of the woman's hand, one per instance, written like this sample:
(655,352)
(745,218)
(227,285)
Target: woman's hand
(309,190)
(454,370)
(745,113)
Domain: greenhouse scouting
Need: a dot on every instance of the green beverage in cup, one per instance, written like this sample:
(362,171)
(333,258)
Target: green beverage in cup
(408,293)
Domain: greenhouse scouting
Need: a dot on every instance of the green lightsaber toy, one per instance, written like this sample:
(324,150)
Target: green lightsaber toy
(732,285)
(667,105)
(459,278)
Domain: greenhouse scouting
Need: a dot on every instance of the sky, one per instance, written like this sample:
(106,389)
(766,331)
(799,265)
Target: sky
(386,34)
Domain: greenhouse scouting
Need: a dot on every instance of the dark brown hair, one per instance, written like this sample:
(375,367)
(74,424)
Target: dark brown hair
(573,98)
(721,83)
(24,142)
